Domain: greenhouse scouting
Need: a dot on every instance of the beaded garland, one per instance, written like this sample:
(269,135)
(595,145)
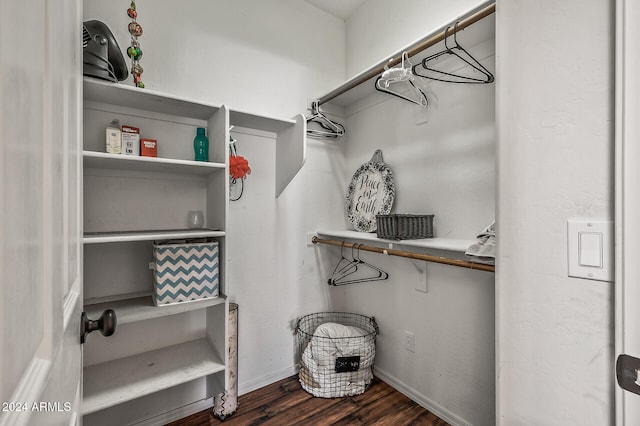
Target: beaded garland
(134,51)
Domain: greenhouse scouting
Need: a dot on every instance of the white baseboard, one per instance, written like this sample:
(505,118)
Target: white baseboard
(178,413)
(420,399)
(263,381)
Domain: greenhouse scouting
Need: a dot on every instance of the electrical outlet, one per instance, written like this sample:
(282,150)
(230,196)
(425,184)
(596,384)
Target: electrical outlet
(409,341)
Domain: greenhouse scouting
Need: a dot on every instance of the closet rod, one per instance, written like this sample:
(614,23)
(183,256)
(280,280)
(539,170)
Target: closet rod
(418,47)
(410,255)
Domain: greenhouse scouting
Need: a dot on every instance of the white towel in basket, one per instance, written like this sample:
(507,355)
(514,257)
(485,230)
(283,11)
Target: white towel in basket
(329,341)
(336,334)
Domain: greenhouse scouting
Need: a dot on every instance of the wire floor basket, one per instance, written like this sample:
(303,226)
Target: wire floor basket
(336,353)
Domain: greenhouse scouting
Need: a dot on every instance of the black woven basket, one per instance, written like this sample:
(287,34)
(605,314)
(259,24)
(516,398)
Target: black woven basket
(404,226)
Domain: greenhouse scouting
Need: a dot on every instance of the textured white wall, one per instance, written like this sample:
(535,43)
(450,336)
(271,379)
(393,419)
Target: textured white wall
(555,157)
(275,277)
(379,28)
(261,56)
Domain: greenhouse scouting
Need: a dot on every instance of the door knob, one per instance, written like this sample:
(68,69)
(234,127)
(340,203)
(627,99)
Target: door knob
(106,324)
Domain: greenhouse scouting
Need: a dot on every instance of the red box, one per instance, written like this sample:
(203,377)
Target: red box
(148,147)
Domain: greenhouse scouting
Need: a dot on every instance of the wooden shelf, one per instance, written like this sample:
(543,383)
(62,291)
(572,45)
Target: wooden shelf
(447,244)
(128,236)
(143,308)
(114,382)
(103,160)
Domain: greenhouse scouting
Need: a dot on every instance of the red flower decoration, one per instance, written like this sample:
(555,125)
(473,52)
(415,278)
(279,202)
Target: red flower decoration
(238,167)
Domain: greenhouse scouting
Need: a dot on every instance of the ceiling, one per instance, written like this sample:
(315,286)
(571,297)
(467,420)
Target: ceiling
(339,8)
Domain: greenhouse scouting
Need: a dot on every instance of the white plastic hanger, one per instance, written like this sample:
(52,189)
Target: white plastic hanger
(393,80)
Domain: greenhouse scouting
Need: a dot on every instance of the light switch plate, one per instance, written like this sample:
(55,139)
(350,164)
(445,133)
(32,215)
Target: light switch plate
(590,248)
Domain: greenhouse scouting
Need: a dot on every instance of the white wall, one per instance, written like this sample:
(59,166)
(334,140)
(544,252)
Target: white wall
(555,157)
(275,277)
(379,28)
(261,56)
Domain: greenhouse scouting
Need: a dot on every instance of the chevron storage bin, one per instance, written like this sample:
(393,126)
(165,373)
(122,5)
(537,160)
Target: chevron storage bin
(185,271)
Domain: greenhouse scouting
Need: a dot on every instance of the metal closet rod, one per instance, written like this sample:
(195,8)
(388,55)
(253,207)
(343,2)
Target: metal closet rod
(418,47)
(410,255)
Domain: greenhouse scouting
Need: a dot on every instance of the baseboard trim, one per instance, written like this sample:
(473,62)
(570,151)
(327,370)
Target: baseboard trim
(420,399)
(263,381)
(178,413)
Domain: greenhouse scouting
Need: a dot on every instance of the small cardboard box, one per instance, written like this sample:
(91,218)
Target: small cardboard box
(130,140)
(148,147)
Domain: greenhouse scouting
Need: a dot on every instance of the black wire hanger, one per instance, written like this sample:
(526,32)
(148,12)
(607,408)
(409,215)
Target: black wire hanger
(344,266)
(328,128)
(458,51)
(372,273)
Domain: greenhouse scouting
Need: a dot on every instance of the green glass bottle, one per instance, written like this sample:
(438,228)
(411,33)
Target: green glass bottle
(201,145)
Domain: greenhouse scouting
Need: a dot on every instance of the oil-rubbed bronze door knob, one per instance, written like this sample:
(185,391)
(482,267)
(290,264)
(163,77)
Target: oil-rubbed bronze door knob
(106,324)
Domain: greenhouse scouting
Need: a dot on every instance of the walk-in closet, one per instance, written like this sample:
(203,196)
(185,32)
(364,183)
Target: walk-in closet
(309,201)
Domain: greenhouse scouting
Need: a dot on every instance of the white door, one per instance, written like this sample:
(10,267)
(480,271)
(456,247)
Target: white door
(40,219)
(627,295)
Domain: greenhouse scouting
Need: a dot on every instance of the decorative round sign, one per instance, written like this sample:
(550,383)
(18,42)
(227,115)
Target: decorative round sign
(371,192)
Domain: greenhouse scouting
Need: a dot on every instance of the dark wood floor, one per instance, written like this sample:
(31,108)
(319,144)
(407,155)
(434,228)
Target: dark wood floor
(285,403)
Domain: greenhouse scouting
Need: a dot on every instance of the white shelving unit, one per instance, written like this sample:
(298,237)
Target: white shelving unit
(129,202)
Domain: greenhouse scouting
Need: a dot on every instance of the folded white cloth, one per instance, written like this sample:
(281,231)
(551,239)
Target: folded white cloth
(485,247)
(331,340)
